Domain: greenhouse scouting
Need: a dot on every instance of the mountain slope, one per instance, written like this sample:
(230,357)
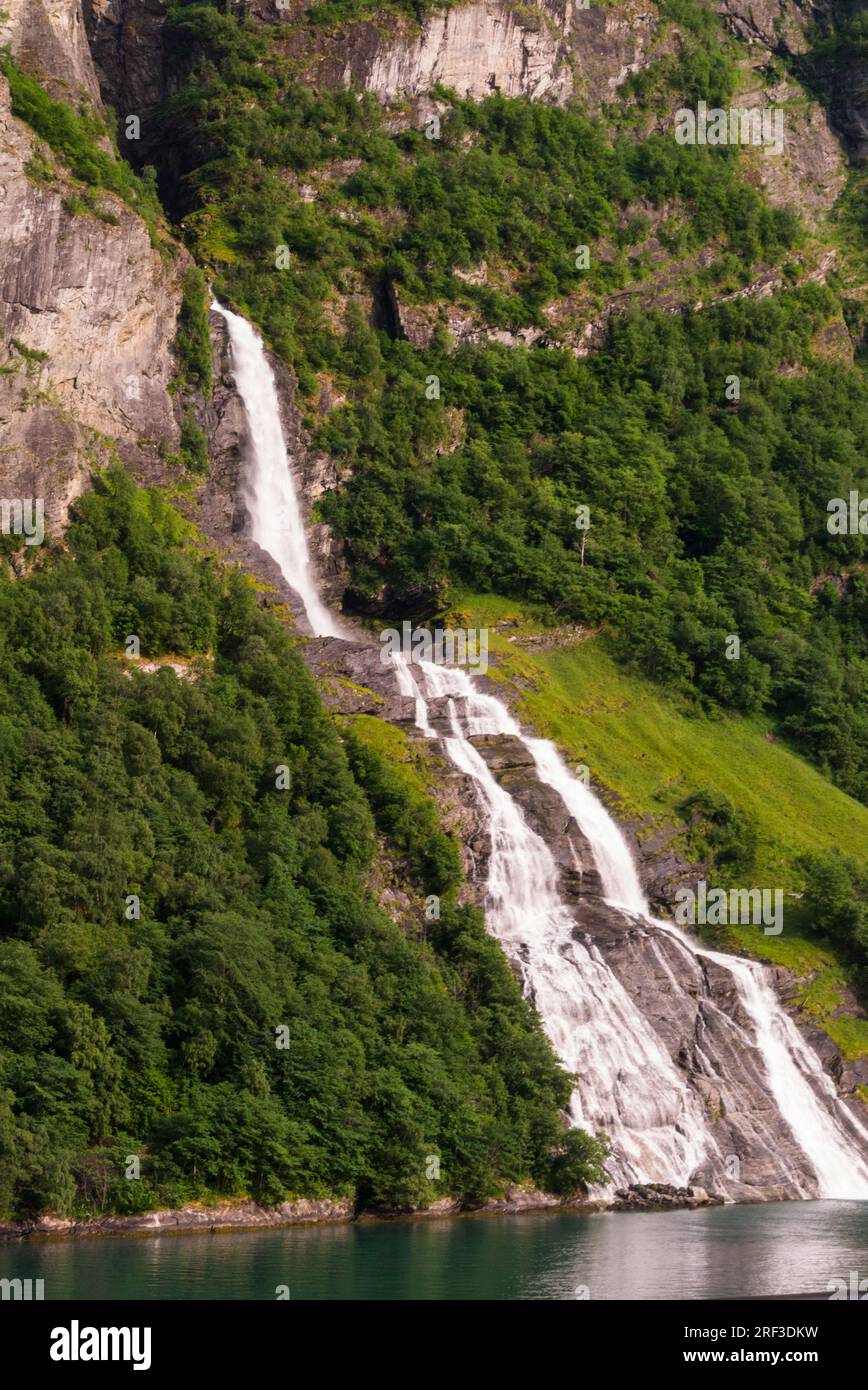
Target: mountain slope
(402,246)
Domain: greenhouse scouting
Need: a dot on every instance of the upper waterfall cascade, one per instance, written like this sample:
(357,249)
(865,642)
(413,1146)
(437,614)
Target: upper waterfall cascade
(276,521)
(628,1084)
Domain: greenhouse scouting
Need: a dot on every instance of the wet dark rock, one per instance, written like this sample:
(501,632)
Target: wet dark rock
(513,767)
(657,1196)
(126,40)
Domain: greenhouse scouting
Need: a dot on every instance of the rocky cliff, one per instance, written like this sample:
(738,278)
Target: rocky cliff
(48,38)
(795,31)
(550,51)
(88,306)
(691,1002)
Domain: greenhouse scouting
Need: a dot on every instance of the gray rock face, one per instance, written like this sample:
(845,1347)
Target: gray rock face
(127,46)
(549,52)
(223,1216)
(47,38)
(695,1009)
(91,294)
(475,49)
(693,1006)
(784,28)
(513,767)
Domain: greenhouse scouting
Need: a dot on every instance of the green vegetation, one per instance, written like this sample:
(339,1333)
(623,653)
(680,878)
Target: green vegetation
(194,446)
(395,776)
(752,809)
(332,12)
(74,136)
(655,750)
(720,832)
(32,356)
(703,67)
(708,517)
(192,344)
(165,908)
(836,901)
(513,183)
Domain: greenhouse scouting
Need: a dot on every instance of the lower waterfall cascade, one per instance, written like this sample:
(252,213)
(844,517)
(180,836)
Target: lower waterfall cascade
(627,1083)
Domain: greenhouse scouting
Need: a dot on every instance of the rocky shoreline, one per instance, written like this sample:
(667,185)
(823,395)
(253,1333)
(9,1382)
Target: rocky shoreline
(244,1216)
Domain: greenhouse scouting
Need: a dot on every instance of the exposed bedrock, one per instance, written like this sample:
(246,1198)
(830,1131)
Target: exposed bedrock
(48,38)
(87,319)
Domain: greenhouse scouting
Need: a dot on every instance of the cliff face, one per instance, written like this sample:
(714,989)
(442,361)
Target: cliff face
(692,1003)
(548,52)
(87,305)
(48,39)
(790,29)
(127,47)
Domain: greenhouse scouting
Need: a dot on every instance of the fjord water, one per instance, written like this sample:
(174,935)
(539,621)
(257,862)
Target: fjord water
(720,1252)
(627,1084)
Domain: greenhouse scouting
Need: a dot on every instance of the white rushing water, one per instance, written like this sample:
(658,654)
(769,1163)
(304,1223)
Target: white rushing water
(827,1133)
(276,521)
(627,1084)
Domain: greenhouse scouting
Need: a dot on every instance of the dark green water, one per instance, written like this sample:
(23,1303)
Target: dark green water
(729,1252)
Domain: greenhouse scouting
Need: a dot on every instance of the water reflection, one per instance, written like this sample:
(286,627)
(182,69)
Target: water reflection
(725,1252)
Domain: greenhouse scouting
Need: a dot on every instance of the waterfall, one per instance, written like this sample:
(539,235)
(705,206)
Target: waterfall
(626,1082)
(276,521)
(579,998)
(824,1129)
(627,1085)
(828,1134)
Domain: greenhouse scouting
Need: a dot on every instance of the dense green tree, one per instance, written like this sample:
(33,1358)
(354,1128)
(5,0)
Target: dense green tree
(168,915)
